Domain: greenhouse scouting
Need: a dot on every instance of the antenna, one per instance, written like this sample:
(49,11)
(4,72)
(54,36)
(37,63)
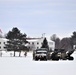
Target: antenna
(43,35)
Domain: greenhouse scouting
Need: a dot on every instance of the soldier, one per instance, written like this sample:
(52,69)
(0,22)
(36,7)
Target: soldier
(1,54)
(11,54)
(25,54)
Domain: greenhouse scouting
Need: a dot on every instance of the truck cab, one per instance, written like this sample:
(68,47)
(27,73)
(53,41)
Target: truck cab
(40,54)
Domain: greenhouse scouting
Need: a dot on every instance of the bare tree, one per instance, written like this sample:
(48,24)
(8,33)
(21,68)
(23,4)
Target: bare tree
(56,40)
(53,37)
(66,44)
(57,43)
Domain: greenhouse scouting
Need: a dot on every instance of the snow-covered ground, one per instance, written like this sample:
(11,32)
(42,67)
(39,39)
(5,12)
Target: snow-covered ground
(26,66)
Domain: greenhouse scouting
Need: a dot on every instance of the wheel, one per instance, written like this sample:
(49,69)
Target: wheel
(70,58)
(36,59)
(64,58)
(45,59)
(55,58)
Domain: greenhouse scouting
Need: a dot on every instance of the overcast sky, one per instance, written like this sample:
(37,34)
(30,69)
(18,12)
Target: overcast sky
(35,17)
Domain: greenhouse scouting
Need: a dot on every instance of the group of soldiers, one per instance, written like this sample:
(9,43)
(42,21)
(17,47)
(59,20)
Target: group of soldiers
(11,54)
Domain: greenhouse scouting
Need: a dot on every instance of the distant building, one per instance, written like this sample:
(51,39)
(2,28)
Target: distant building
(36,43)
(3,41)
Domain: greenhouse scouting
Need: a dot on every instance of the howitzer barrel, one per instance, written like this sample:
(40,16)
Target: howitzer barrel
(70,52)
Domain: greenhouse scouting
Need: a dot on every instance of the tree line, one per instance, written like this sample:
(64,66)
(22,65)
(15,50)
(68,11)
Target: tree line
(66,43)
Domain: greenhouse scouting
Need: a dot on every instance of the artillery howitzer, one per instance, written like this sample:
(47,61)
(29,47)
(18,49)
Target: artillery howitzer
(61,54)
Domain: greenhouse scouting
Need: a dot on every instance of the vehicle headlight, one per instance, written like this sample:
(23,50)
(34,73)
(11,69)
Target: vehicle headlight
(51,53)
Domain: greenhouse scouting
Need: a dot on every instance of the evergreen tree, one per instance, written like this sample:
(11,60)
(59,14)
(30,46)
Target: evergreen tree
(17,41)
(45,44)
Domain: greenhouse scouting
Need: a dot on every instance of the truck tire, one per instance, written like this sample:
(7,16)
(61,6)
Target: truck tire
(55,58)
(70,58)
(36,59)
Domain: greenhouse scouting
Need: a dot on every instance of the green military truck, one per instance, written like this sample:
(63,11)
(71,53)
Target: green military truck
(40,54)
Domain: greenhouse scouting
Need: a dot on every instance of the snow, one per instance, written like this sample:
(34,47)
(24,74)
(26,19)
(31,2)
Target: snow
(26,66)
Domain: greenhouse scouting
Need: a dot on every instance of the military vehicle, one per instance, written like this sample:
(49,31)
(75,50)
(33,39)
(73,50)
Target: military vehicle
(40,54)
(61,54)
(56,54)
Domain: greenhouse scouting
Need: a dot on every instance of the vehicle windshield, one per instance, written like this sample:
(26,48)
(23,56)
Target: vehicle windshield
(40,52)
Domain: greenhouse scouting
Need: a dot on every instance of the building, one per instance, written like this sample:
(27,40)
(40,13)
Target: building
(36,43)
(33,43)
(3,41)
